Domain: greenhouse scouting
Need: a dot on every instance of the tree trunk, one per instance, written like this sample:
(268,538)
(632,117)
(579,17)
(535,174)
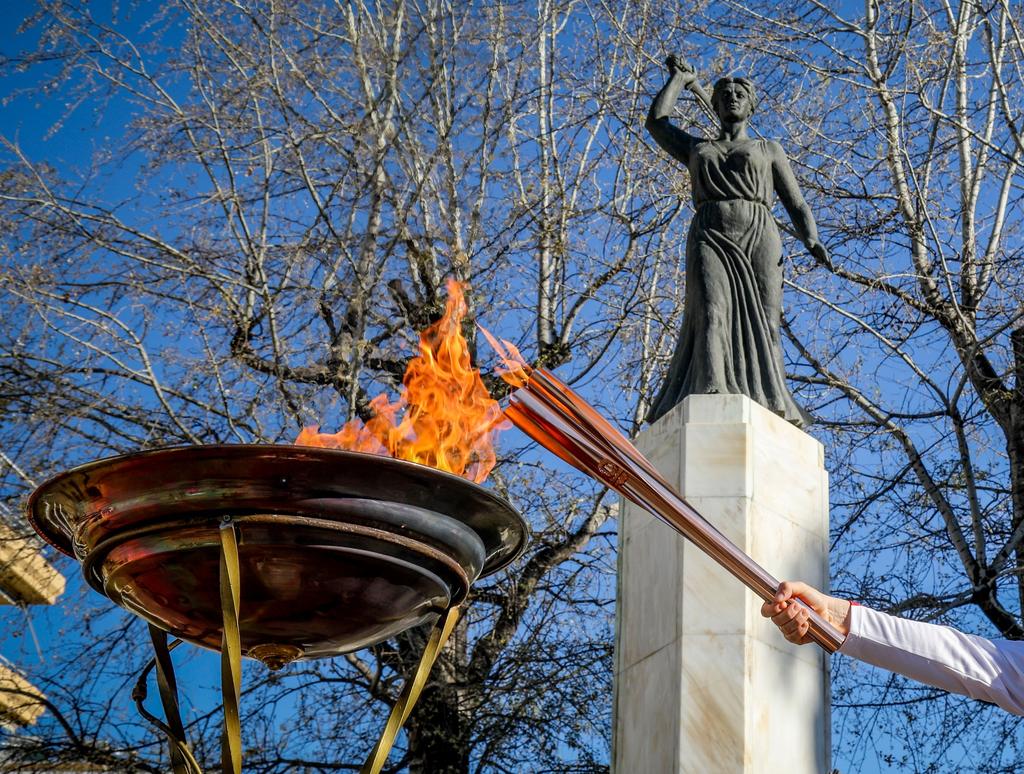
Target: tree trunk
(1015,450)
(439,733)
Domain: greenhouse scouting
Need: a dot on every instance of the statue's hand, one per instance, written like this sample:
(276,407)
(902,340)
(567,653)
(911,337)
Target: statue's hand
(680,68)
(817,249)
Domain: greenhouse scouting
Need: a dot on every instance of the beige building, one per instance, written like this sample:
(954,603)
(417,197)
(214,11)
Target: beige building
(26,578)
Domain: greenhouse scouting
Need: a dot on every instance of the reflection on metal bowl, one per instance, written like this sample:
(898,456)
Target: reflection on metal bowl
(337,549)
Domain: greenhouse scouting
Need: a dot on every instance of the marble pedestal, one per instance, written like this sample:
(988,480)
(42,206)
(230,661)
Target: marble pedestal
(703,684)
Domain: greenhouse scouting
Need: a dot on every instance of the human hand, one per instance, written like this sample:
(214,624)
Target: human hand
(817,249)
(680,68)
(793,619)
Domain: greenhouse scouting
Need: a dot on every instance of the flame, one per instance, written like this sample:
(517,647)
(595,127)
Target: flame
(444,416)
(516,372)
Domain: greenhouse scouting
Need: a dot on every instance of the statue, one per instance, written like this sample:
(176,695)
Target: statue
(729,342)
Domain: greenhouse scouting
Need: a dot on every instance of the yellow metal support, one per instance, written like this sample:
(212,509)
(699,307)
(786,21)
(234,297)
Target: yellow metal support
(411,692)
(231,650)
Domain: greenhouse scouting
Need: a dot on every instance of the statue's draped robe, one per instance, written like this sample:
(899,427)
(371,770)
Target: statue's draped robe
(729,342)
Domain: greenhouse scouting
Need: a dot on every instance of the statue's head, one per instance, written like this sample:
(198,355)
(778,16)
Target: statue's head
(734,99)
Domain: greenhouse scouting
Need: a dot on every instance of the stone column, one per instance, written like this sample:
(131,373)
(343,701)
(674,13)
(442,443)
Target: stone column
(702,682)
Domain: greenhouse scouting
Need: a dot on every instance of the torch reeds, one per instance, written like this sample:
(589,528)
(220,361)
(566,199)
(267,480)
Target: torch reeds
(557,418)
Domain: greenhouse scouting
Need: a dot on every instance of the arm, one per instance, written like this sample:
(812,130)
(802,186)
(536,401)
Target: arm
(799,213)
(672,139)
(987,670)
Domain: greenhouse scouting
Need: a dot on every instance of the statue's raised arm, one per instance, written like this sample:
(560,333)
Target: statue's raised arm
(729,342)
(672,139)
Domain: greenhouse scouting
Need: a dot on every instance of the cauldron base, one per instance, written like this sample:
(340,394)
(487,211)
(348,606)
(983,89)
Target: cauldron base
(314,591)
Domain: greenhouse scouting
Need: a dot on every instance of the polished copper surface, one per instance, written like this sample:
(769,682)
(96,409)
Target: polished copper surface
(547,410)
(338,549)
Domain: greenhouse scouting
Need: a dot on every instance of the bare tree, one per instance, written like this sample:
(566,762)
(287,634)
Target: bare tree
(254,250)
(273,220)
(906,123)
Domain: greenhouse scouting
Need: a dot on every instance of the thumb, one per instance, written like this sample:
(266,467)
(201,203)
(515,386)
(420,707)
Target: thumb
(789,589)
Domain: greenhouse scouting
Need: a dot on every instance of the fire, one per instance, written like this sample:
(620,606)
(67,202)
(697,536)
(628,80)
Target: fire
(444,416)
(516,372)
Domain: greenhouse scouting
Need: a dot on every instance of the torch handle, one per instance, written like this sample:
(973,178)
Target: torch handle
(666,503)
(562,422)
(703,98)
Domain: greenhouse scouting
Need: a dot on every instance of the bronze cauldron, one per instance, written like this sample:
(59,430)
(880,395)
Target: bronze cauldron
(337,550)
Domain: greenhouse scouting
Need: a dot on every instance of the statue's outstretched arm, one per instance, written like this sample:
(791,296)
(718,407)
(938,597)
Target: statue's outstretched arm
(672,139)
(793,200)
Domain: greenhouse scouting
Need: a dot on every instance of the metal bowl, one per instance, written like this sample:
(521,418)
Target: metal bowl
(338,550)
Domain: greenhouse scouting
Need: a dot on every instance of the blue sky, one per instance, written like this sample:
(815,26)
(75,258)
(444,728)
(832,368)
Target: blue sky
(28,121)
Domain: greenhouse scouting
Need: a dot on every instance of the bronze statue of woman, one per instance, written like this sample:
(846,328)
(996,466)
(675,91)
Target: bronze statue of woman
(729,342)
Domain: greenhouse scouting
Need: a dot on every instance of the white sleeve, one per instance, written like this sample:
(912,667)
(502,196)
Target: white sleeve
(988,670)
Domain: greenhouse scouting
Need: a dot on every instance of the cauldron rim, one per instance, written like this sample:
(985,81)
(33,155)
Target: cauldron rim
(498,556)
